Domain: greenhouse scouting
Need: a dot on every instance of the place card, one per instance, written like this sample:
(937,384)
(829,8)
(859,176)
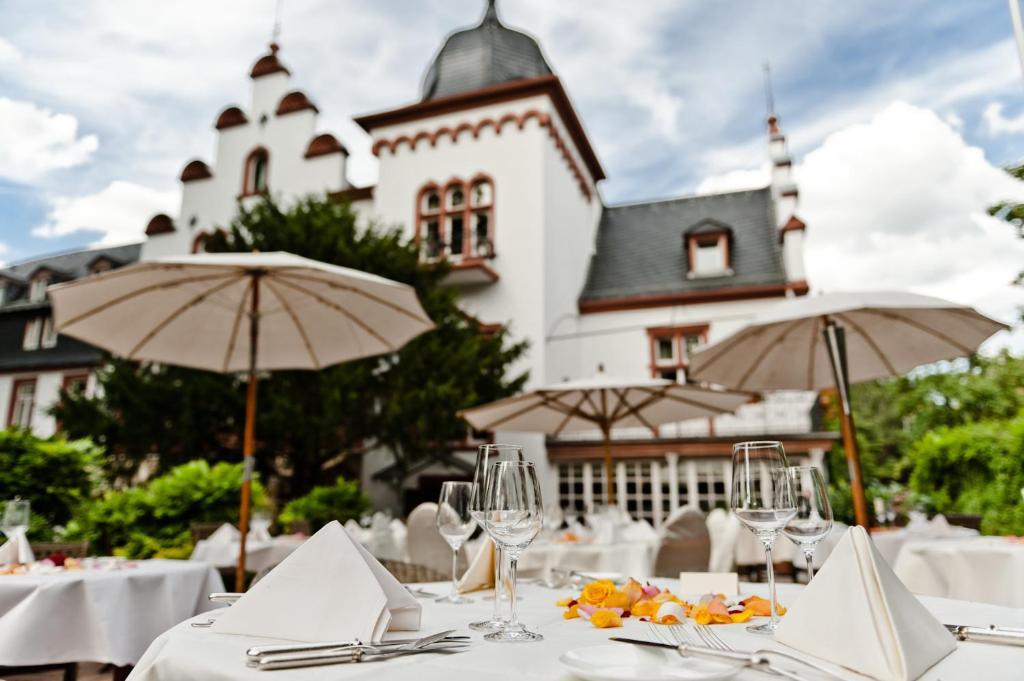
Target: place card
(726,583)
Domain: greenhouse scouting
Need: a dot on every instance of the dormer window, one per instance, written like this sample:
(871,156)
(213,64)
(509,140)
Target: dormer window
(37,288)
(257,168)
(456,222)
(672,347)
(707,249)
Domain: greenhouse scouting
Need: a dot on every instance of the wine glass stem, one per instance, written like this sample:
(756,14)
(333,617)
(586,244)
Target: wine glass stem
(455,571)
(809,557)
(499,585)
(513,564)
(771,578)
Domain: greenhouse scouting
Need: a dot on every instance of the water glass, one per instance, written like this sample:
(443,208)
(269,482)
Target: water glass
(485,456)
(762,498)
(456,524)
(513,517)
(813,519)
(16,517)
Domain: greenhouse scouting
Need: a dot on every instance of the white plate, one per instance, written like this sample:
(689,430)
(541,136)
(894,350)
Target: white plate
(624,662)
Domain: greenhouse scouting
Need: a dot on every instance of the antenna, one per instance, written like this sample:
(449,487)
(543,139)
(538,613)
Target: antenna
(769,96)
(276,33)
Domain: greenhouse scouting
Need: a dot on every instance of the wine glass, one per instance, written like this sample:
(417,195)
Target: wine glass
(762,498)
(813,519)
(16,517)
(456,524)
(513,517)
(486,455)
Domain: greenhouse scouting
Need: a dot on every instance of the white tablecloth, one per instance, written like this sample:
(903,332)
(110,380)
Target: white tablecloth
(98,615)
(985,569)
(189,653)
(627,558)
(259,555)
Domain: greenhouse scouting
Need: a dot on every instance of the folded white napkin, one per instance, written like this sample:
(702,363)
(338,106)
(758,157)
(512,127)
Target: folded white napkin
(353,527)
(16,549)
(328,589)
(225,534)
(856,613)
(480,573)
(259,532)
(639,531)
(939,526)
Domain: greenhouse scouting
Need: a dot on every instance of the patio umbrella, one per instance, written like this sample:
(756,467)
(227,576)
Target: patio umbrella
(836,339)
(602,403)
(240,312)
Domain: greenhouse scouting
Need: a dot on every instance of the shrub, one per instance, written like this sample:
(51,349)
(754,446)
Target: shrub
(154,519)
(341,501)
(975,468)
(55,475)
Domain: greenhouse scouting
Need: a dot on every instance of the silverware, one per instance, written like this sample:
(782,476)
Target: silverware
(202,625)
(989,634)
(751,660)
(421,593)
(257,651)
(357,653)
(224,597)
(713,640)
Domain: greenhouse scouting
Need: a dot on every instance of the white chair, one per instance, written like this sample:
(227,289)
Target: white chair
(425,544)
(685,544)
(724,529)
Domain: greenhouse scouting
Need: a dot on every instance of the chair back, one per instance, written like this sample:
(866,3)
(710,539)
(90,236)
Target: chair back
(77,549)
(424,543)
(410,573)
(685,544)
(724,529)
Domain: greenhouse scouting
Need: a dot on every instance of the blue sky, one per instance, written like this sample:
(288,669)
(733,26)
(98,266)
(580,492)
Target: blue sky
(898,114)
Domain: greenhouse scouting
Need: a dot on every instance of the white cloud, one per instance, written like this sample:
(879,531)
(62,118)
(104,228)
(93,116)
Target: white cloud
(998,124)
(9,54)
(119,212)
(735,180)
(34,141)
(899,202)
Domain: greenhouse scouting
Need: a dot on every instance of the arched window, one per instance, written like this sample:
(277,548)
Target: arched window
(257,168)
(456,221)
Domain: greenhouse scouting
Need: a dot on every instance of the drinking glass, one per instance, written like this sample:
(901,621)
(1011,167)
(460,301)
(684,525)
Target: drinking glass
(16,517)
(762,498)
(813,519)
(456,524)
(513,516)
(486,455)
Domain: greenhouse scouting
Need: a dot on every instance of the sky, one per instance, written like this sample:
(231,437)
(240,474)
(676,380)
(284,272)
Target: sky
(899,116)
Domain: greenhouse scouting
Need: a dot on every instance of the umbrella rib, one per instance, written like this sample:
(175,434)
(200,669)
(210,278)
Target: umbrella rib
(635,411)
(142,291)
(922,327)
(695,403)
(720,350)
(768,348)
(568,417)
(544,401)
(191,302)
(295,320)
(360,292)
(337,308)
(871,343)
(234,327)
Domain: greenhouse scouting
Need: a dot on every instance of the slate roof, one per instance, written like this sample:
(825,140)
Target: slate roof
(641,249)
(69,265)
(486,54)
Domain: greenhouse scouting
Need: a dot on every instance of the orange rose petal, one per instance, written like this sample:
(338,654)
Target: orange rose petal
(616,599)
(606,619)
(572,613)
(744,616)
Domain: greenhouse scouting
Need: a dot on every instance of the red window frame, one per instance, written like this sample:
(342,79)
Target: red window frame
(467,211)
(678,336)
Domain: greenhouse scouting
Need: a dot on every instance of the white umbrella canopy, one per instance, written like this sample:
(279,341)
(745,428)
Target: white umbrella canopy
(602,403)
(193,311)
(888,333)
(837,339)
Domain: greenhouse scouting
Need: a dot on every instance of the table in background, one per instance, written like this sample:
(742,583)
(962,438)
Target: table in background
(98,615)
(259,555)
(626,558)
(984,569)
(189,653)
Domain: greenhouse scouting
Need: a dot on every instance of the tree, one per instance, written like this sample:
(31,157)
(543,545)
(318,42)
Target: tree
(1012,213)
(406,401)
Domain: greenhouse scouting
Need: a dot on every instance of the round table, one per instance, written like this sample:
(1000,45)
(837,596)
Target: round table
(984,569)
(259,555)
(98,615)
(626,558)
(185,652)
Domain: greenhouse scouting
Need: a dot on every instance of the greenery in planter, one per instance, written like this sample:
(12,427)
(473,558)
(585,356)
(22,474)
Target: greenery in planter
(341,501)
(57,476)
(154,519)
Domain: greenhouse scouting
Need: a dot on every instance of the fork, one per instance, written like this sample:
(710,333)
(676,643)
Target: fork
(715,641)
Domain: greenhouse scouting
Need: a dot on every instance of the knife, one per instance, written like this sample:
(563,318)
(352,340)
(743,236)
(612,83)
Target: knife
(990,634)
(757,660)
(259,651)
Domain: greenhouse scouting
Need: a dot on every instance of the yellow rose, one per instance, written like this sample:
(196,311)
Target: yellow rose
(572,613)
(644,608)
(595,592)
(604,619)
(616,599)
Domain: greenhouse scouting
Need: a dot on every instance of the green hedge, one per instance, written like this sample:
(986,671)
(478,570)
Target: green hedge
(154,519)
(975,468)
(340,501)
(55,475)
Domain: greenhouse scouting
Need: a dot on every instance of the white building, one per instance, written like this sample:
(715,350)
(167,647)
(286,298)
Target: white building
(493,170)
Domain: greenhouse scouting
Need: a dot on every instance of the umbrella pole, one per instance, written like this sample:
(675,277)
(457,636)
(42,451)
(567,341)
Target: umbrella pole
(835,341)
(248,444)
(609,469)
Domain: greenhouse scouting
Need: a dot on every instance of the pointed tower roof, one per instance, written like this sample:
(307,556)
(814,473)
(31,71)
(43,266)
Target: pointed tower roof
(486,54)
